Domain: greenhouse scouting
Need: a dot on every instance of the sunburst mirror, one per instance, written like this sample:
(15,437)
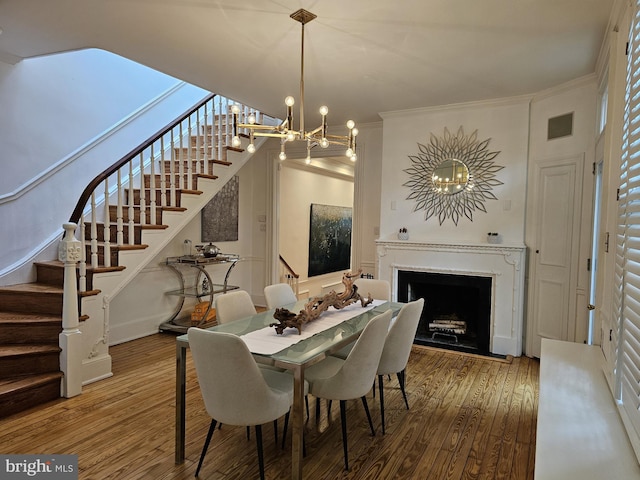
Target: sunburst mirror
(452,176)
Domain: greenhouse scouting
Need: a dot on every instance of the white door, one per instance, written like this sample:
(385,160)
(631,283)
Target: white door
(553,275)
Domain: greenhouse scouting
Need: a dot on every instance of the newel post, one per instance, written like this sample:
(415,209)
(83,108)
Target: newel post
(70,339)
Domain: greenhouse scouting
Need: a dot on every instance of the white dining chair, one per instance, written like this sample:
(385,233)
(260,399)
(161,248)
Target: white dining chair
(336,379)
(233,306)
(376,288)
(236,391)
(397,348)
(278,295)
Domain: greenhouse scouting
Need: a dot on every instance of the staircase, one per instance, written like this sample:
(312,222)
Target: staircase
(31,314)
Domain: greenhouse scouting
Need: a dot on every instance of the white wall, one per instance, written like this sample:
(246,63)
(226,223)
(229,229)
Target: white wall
(368,182)
(59,102)
(577,97)
(299,188)
(505,122)
(71,116)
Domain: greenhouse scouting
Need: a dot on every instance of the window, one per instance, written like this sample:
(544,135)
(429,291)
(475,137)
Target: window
(602,109)
(627,272)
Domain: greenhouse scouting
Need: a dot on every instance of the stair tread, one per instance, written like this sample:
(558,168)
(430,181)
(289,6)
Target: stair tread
(27,349)
(100,269)
(32,288)
(222,162)
(10,385)
(154,227)
(36,318)
(135,246)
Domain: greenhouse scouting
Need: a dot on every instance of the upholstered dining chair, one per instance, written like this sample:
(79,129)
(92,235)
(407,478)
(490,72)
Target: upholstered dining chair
(336,379)
(233,306)
(378,289)
(397,348)
(237,391)
(279,294)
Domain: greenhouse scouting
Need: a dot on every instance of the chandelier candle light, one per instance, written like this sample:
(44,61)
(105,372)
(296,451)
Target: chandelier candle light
(286,130)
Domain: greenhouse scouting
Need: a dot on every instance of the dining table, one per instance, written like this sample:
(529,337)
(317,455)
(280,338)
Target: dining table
(294,351)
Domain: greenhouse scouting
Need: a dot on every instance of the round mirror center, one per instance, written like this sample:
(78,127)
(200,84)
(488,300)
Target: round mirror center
(450,177)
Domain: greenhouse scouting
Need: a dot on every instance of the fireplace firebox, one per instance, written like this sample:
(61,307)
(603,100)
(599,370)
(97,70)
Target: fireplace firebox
(457,309)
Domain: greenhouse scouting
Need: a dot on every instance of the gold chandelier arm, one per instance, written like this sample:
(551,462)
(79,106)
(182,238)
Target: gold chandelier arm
(256,126)
(286,130)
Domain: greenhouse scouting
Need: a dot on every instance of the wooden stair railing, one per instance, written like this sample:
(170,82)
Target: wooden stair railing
(131,195)
(41,346)
(291,277)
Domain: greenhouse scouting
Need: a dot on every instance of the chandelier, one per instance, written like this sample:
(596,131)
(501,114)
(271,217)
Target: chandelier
(286,131)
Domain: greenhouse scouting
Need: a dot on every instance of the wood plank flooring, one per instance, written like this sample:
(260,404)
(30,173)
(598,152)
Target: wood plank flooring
(470,418)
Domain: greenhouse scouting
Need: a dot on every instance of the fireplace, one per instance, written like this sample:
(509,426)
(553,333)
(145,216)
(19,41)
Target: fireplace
(494,273)
(457,309)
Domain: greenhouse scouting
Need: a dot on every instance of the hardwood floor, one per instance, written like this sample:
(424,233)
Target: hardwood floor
(470,418)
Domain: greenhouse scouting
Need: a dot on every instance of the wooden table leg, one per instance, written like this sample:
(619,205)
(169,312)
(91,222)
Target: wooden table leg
(181,389)
(298,423)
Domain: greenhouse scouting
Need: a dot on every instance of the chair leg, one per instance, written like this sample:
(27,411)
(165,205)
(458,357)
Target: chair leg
(317,410)
(286,425)
(212,427)
(284,434)
(401,380)
(366,409)
(275,430)
(306,402)
(343,421)
(259,446)
(381,401)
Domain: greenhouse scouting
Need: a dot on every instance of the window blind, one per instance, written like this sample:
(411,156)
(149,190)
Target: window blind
(627,272)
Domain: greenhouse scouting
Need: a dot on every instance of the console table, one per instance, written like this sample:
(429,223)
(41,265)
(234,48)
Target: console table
(204,287)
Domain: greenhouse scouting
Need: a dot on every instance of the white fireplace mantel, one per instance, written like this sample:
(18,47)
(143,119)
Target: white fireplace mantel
(503,263)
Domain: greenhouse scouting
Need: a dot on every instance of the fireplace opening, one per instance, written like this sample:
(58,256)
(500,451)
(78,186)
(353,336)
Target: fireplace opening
(457,309)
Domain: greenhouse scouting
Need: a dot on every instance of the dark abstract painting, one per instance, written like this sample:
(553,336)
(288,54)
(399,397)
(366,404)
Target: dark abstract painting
(220,215)
(329,239)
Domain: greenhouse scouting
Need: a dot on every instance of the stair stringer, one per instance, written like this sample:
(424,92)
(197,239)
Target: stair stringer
(96,361)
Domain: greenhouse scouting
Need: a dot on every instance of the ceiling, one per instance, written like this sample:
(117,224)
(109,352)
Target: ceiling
(362,57)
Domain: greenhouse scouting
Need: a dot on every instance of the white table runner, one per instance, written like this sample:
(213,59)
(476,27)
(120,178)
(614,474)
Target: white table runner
(267,342)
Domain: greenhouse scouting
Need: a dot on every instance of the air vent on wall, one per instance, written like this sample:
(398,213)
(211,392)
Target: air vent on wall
(560,126)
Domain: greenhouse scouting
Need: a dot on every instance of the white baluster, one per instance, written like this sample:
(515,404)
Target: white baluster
(143,195)
(227,130)
(172,170)
(119,215)
(107,225)
(163,176)
(94,233)
(70,339)
(205,141)
(152,189)
(188,159)
(131,202)
(181,166)
(198,142)
(82,269)
(218,131)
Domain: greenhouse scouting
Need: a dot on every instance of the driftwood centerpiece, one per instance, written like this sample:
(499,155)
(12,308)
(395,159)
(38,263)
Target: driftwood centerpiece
(315,307)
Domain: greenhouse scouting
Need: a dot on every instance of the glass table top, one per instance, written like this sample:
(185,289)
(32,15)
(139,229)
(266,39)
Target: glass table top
(302,352)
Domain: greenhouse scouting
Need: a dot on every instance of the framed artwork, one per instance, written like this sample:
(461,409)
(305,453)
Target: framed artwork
(329,239)
(219,217)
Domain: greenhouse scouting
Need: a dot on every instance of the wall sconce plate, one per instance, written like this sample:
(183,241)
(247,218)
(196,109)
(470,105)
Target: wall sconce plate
(452,176)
